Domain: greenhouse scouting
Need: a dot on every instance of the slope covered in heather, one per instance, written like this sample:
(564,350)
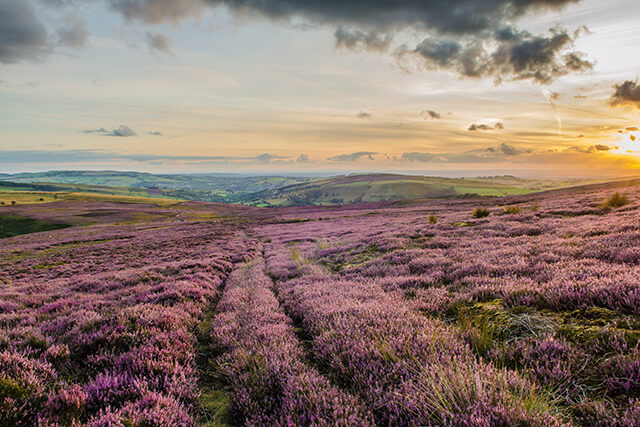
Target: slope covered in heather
(380,313)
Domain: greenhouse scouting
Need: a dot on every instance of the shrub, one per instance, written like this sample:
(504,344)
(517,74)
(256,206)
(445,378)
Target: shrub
(433,219)
(13,202)
(514,209)
(480,212)
(616,201)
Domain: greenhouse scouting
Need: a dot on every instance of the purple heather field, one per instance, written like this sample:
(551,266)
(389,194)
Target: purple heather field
(385,314)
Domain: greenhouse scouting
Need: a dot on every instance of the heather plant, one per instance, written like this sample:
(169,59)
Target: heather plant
(359,315)
(263,361)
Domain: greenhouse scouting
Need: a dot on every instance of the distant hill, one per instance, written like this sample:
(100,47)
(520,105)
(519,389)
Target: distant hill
(267,191)
(378,187)
(201,182)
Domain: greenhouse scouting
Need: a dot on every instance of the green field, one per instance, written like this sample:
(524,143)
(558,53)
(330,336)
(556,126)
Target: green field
(12,225)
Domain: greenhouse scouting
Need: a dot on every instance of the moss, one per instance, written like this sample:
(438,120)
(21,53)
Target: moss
(215,407)
(596,325)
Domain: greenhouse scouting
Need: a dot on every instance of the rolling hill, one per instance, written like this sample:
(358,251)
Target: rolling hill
(265,191)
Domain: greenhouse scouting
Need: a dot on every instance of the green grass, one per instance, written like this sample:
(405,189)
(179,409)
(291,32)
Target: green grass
(490,191)
(11,225)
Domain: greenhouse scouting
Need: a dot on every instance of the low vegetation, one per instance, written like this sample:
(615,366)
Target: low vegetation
(11,225)
(480,212)
(617,200)
(365,315)
(513,209)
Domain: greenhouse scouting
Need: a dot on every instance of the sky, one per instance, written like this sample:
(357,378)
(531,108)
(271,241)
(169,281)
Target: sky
(456,88)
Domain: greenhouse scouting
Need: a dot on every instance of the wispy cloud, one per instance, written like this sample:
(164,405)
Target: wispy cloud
(123,132)
(430,114)
(353,156)
(85,156)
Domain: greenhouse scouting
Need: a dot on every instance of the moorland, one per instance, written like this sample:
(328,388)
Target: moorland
(514,310)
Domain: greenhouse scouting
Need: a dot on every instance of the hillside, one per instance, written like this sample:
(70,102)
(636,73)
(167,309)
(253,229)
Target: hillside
(372,314)
(223,183)
(269,191)
(379,187)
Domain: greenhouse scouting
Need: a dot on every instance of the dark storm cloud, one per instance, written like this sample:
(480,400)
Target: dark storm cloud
(22,35)
(518,55)
(353,156)
(453,16)
(460,31)
(627,93)
(431,114)
(158,42)
(123,131)
(74,32)
(473,38)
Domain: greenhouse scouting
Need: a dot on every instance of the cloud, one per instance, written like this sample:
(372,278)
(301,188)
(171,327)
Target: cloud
(364,115)
(632,129)
(459,36)
(497,153)
(87,156)
(157,11)
(627,93)
(598,148)
(22,35)
(507,54)
(158,42)
(353,156)
(156,133)
(507,150)
(481,126)
(358,40)
(452,17)
(268,158)
(417,157)
(303,158)
(123,131)
(430,114)
(461,33)
(74,32)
